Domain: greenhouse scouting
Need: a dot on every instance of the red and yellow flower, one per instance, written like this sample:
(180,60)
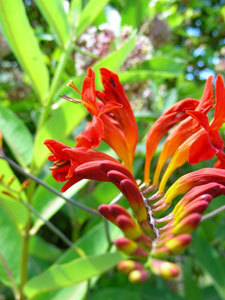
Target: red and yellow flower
(148,236)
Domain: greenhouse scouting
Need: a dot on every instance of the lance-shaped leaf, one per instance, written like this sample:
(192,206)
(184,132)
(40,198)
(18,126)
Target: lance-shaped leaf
(67,274)
(55,14)
(16,136)
(21,38)
(89,14)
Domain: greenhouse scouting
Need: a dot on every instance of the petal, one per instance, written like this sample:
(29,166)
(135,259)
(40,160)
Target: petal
(163,124)
(92,135)
(88,92)
(207,96)
(219,114)
(57,149)
(201,149)
(200,117)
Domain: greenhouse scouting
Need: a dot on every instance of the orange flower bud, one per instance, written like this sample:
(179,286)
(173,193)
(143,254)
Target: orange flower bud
(164,269)
(126,266)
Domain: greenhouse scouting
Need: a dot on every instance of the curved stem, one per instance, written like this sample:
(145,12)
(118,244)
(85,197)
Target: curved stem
(54,191)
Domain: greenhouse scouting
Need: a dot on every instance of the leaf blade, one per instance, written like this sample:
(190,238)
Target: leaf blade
(65,275)
(17,28)
(55,15)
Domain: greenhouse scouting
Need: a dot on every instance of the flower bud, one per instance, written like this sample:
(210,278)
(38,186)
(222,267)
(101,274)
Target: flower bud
(126,266)
(188,224)
(164,269)
(138,276)
(172,246)
(130,247)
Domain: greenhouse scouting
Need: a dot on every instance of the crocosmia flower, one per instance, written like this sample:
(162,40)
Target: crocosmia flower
(152,233)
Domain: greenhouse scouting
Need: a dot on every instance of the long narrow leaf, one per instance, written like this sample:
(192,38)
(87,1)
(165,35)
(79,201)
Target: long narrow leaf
(55,14)
(21,38)
(16,136)
(89,14)
(71,273)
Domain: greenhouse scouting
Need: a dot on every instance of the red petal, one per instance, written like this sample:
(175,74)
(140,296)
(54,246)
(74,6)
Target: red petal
(200,117)
(92,135)
(219,115)
(207,96)
(201,149)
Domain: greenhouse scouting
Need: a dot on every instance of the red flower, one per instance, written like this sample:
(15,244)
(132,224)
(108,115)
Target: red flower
(113,119)
(184,129)
(210,143)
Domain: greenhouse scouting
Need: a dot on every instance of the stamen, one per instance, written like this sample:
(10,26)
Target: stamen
(72,85)
(71,99)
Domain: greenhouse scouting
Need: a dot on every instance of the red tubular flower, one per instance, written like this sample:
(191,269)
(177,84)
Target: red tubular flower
(194,139)
(113,120)
(166,121)
(184,129)
(206,142)
(197,178)
(75,164)
(209,143)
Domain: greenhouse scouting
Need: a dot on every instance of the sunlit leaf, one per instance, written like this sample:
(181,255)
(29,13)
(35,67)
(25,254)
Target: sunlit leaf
(16,136)
(16,210)
(21,38)
(47,203)
(55,15)
(89,14)
(10,247)
(68,274)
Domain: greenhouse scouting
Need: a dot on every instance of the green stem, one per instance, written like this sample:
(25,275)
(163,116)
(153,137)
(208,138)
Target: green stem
(54,191)
(25,243)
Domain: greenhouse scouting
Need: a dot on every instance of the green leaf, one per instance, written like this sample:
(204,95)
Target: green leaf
(16,210)
(75,292)
(89,14)
(76,271)
(75,12)
(38,247)
(10,247)
(166,64)
(143,75)
(55,14)
(47,203)
(16,135)
(59,126)
(210,261)
(88,242)
(134,12)
(21,38)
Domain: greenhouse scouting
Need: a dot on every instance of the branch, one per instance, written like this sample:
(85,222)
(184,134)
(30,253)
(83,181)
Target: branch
(213,213)
(54,191)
